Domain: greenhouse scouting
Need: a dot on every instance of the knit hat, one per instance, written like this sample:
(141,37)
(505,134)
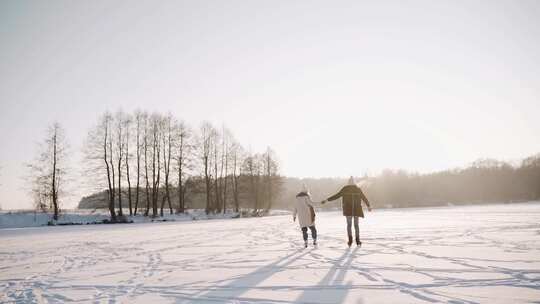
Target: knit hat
(351,181)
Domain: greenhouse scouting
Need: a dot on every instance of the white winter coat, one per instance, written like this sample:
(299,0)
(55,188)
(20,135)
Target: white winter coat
(301,209)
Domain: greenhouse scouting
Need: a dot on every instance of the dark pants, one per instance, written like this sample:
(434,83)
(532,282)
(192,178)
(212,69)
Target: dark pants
(313,232)
(349,228)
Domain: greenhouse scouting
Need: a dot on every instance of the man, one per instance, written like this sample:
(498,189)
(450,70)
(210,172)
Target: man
(352,207)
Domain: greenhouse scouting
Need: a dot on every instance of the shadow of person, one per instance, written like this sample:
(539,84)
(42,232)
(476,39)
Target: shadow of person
(331,288)
(236,287)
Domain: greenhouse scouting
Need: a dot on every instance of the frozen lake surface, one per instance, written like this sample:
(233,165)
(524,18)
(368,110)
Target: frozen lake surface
(474,254)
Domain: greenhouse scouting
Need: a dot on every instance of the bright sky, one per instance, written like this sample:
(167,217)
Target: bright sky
(335,87)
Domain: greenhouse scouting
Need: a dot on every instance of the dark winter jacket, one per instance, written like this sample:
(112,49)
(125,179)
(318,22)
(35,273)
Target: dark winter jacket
(352,197)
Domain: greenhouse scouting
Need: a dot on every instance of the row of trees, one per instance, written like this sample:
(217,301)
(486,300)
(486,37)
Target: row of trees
(485,180)
(149,163)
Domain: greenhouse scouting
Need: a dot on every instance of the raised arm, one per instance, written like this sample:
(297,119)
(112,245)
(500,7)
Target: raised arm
(336,196)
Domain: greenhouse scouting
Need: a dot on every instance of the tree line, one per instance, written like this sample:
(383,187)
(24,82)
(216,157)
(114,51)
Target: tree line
(152,163)
(483,181)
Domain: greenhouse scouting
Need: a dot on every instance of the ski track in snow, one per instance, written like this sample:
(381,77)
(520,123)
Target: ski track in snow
(473,254)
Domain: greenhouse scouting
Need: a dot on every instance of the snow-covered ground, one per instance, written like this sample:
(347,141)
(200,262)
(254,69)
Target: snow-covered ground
(475,254)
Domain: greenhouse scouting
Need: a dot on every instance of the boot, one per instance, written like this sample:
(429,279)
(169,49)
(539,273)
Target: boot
(358,243)
(305,244)
(315,242)
(350,241)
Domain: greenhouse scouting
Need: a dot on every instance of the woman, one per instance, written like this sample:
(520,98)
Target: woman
(303,207)
(352,207)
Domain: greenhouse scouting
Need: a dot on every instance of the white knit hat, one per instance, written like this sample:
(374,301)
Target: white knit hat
(351,181)
(305,188)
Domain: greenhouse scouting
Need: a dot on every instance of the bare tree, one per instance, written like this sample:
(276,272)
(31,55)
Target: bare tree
(156,122)
(120,147)
(98,166)
(146,162)
(111,161)
(236,159)
(107,142)
(206,147)
(181,156)
(167,138)
(49,170)
(216,160)
(226,145)
(127,127)
(139,117)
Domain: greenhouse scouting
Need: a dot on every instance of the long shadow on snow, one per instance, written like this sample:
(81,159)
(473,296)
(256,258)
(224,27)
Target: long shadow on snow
(332,288)
(234,289)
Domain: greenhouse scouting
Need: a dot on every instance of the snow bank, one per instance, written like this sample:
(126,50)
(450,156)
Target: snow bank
(21,219)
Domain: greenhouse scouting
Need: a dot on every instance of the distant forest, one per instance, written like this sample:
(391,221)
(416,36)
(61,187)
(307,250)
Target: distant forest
(484,181)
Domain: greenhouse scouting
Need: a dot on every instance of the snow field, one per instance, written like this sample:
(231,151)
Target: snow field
(474,254)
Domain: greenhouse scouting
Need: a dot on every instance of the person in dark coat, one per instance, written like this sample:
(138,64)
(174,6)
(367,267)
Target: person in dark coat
(352,197)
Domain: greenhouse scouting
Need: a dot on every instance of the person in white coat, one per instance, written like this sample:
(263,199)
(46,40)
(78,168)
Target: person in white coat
(303,208)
